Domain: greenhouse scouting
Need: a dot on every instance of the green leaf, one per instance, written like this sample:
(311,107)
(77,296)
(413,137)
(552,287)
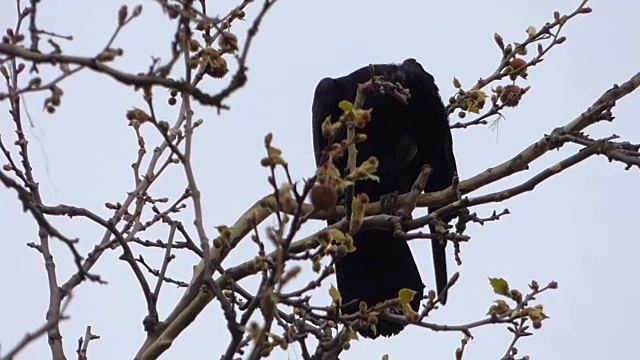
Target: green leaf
(345,105)
(405,296)
(336,235)
(500,307)
(500,286)
(365,171)
(335,294)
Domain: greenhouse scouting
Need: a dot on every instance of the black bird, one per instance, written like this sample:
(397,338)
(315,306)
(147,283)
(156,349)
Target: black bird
(403,137)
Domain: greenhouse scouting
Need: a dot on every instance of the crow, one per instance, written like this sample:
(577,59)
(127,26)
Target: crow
(403,137)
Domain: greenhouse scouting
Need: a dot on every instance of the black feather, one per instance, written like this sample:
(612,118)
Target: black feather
(403,137)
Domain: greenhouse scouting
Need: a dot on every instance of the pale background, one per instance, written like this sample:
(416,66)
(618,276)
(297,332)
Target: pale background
(577,228)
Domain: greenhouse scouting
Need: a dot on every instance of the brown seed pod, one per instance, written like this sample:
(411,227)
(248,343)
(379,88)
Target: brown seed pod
(511,95)
(217,68)
(517,63)
(323,197)
(228,42)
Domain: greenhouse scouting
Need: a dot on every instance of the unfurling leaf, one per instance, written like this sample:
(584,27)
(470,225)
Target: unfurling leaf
(137,114)
(274,157)
(345,105)
(274,151)
(361,117)
(334,294)
(365,171)
(515,295)
(535,313)
(328,174)
(360,137)
(329,129)
(499,308)
(405,296)
(342,239)
(500,286)
(358,205)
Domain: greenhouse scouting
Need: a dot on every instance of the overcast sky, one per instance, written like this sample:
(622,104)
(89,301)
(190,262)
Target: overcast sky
(577,228)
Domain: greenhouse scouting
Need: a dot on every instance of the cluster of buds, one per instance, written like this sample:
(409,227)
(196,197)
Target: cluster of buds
(471,101)
(215,64)
(508,95)
(212,58)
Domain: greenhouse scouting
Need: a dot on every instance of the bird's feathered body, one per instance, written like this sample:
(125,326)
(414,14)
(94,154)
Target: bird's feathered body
(403,137)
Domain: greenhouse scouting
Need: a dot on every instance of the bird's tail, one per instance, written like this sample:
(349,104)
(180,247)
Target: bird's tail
(375,272)
(439,266)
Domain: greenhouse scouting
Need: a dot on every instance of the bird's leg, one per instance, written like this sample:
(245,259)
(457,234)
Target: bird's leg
(462,214)
(389,202)
(455,185)
(406,208)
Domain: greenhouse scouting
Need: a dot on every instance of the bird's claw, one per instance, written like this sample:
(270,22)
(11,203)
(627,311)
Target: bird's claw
(390,203)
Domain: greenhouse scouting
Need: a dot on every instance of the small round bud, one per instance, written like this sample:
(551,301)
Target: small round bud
(164,126)
(518,63)
(537,324)
(316,266)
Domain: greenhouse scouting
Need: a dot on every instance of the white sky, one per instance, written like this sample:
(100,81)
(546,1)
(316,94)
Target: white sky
(575,228)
